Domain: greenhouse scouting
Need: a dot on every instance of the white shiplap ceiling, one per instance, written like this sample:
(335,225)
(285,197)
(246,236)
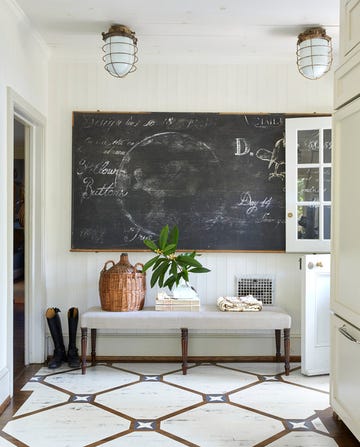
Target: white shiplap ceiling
(184,31)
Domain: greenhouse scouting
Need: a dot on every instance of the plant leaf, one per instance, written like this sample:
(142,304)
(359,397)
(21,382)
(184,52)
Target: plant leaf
(191,254)
(184,273)
(148,264)
(174,269)
(161,279)
(174,235)
(159,271)
(163,237)
(150,244)
(159,261)
(169,249)
(188,260)
(199,270)
(170,282)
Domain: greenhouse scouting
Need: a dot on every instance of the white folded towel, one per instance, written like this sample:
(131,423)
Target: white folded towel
(239,303)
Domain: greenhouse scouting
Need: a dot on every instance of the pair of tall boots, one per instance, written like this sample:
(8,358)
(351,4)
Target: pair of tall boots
(54,323)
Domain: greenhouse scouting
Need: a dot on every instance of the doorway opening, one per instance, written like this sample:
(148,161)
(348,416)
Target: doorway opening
(25,232)
(19,248)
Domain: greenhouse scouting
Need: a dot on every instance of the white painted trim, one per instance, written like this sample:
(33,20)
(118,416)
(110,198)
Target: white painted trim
(165,344)
(34,228)
(4,381)
(175,334)
(10,249)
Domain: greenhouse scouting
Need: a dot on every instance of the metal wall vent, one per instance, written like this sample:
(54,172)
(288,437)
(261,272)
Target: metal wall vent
(260,287)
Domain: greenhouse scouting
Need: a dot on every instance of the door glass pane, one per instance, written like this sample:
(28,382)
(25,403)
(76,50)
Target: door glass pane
(308,185)
(327,145)
(308,146)
(327,222)
(308,222)
(327,184)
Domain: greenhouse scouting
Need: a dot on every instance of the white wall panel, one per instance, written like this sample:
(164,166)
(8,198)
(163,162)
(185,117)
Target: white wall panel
(24,64)
(72,278)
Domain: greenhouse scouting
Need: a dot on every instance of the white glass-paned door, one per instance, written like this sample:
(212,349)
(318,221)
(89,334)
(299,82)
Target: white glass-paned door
(308,184)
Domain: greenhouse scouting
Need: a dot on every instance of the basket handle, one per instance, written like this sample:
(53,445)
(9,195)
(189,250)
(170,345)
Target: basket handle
(139,271)
(106,263)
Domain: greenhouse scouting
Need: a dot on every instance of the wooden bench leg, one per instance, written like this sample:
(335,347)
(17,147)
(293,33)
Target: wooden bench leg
(184,349)
(287,350)
(93,347)
(83,349)
(277,343)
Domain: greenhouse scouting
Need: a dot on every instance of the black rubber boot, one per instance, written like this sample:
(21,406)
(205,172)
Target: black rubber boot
(54,323)
(73,356)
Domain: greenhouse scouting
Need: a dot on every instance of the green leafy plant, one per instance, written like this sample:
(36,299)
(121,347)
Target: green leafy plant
(168,268)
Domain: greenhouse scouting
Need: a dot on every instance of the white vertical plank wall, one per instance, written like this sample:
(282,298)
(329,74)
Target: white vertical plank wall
(72,278)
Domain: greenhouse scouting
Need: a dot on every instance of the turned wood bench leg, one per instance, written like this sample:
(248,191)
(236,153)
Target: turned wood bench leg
(184,349)
(287,350)
(93,347)
(277,343)
(83,349)
(84,337)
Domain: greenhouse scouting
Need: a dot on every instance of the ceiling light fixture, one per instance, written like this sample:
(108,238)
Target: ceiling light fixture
(120,50)
(314,53)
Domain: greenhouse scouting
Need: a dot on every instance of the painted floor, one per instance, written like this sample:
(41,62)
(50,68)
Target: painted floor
(153,404)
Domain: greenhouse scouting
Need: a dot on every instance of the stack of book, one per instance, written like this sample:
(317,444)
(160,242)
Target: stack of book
(177,304)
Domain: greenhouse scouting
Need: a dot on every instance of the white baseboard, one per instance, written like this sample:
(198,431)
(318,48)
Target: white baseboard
(4,388)
(169,344)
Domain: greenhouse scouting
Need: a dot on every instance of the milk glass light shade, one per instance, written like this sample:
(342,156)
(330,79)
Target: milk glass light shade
(120,50)
(314,53)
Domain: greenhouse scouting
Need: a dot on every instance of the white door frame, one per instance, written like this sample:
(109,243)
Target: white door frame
(34,123)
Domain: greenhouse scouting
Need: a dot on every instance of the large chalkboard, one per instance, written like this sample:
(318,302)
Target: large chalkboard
(219,177)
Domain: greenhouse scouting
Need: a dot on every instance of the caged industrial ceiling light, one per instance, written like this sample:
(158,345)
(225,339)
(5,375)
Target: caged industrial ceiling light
(120,50)
(314,53)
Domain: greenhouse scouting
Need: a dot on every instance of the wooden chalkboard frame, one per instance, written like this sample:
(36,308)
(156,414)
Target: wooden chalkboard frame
(237,161)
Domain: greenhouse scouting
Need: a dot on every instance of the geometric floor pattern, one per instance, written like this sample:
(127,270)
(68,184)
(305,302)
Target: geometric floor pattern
(154,404)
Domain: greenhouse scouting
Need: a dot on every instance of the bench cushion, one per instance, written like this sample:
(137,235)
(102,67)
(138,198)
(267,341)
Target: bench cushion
(207,318)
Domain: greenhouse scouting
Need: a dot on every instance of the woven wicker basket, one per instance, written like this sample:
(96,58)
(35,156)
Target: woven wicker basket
(122,287)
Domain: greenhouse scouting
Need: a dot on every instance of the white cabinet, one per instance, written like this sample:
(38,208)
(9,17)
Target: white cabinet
(350,28)
(308,184)
(346,82)
(345,373)
(346,214)
(345,284)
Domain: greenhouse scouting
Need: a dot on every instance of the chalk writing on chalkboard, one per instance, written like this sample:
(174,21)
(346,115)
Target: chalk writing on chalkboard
(219,177)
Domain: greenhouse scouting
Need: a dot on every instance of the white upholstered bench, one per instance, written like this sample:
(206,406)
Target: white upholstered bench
(207,319)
